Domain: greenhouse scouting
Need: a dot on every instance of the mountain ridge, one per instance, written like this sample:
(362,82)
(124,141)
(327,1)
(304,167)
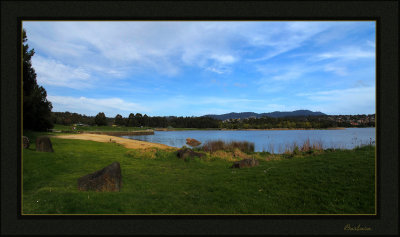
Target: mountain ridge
(275,114)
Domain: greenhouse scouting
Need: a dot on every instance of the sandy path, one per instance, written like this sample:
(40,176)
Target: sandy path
(128,143)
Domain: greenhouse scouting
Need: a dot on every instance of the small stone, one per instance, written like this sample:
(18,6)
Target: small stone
(245,163)
(192,142)
(186,153)
(25,142)
(43,144)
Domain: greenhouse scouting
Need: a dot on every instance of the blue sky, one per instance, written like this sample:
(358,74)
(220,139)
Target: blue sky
(193,68)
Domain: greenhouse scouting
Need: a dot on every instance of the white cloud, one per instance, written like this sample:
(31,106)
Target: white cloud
(121,48)
(161,46)
(166,46)
(224,59)
(339,70)
(218,70)
(92,106)
(290,75)
(123,57)
(278,38)
(349,53)
(285,72)
(52,72)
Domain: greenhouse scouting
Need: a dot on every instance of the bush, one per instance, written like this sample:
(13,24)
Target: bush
(213,146)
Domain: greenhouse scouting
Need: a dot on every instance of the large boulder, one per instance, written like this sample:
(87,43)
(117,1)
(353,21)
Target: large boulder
(186,153)
(43,144)
(25,142)
(245,163)
(192,142)
(107,179)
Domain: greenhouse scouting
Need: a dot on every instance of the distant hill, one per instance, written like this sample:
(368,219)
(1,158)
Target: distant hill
(276,114)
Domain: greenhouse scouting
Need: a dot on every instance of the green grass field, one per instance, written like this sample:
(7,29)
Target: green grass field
(339,182)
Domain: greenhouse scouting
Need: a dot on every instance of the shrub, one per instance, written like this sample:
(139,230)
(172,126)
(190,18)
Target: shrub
(213,146)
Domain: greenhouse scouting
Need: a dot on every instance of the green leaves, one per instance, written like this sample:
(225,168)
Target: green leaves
(36,107)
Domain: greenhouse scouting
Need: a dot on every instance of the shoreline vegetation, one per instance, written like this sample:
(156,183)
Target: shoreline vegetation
(139,121)
(305,179)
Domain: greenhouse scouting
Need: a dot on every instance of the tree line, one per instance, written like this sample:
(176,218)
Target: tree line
(139,120)
(135,120)
(288,122)
(308,122)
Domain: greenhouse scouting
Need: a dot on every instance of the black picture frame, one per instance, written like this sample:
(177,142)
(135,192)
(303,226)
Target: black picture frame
(385,13)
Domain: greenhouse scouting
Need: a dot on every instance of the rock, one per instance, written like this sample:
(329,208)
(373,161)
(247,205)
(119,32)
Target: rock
(186,153)
(107,179)
(43,144)
(192,142)
(25,142)
(245,163)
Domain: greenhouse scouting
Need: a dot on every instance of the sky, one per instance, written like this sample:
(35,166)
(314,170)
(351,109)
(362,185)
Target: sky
(193,68)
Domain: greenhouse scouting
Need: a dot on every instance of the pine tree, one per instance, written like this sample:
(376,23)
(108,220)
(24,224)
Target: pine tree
(36,107)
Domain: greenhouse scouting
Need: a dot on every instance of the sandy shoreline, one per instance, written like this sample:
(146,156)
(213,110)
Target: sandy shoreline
(128,143)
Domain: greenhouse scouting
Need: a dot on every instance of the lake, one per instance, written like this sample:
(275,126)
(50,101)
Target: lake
(267,140)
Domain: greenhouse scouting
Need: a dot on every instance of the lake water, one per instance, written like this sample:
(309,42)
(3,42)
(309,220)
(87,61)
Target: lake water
(267,140)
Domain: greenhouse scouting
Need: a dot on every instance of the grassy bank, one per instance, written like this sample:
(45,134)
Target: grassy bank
(157,182)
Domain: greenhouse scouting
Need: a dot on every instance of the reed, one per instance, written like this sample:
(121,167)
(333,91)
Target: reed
(306,148)
(213,146)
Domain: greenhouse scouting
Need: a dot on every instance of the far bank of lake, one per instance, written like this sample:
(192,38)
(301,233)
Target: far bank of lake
(268,140)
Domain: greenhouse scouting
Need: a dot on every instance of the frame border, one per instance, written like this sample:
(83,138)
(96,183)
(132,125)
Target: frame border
(384,12)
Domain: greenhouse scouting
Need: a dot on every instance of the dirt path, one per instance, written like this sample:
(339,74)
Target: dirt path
(128,143)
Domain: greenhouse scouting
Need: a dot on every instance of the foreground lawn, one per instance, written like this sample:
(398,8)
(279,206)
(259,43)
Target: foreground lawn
(340,182)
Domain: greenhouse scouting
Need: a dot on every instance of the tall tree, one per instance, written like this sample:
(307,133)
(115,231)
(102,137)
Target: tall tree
(36,107)
(145,120)
(119,120)
(100,119)
(138,120)
(131,120)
